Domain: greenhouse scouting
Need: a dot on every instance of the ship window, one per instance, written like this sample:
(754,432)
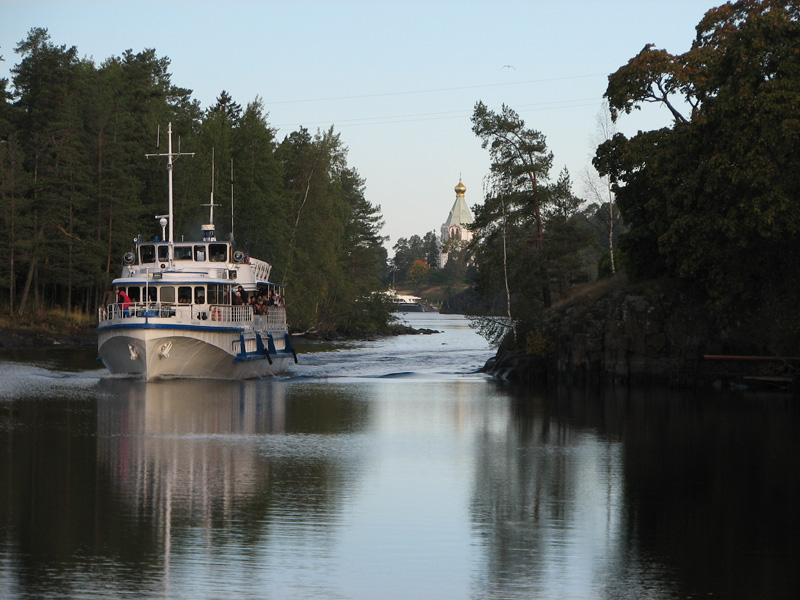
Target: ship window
(152,294)
(185,294)
(167,294)
(183,253)
(217,252)
(148,253)
(199,294)
(216,295)
(133,292)
(163,253)
(200,253)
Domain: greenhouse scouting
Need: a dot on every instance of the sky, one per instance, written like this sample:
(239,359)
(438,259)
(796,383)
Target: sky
(397,79)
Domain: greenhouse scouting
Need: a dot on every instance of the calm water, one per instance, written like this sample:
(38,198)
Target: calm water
(388,470)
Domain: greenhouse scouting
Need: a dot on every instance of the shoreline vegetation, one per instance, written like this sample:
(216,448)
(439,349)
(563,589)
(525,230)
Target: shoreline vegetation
(57,328)
(47,328)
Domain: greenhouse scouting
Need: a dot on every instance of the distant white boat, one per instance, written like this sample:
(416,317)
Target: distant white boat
(406,302)
(176,310)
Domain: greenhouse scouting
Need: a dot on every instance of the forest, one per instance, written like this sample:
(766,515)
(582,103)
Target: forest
(76,188)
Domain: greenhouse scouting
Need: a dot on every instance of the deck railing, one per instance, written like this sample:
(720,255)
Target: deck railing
(274,319)
(216,313)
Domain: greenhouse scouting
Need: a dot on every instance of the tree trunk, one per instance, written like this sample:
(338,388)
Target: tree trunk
(611,228)
(505,277)
(27,288)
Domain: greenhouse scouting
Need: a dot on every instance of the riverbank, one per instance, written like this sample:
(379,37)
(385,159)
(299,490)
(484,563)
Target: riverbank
(47,328)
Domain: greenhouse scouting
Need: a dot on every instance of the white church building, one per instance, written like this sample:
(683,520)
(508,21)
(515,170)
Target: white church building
(454,229)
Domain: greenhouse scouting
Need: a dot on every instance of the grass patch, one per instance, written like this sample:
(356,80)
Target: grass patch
(49,321)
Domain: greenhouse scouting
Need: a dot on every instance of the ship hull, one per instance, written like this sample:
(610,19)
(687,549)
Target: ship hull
(152,354)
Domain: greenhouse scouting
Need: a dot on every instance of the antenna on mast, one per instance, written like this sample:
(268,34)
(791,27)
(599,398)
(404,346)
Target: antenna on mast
(208,230)
(171,157)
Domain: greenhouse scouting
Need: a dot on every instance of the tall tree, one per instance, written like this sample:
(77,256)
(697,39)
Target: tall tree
(14,191)
(566,238)
(261,207)
(45,82)
(312,265)
(509,225)
(599,188)
(363,254)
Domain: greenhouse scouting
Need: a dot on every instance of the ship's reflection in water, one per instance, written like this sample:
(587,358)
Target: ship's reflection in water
(231,477)
(187,443)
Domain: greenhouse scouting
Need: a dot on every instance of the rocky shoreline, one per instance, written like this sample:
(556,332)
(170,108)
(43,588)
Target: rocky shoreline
(25,337)
(628,338)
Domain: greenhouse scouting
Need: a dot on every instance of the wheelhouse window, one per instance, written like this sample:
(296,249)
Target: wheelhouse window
(218,252)
(147,253)
(200,252)
(163,253)
(167,294)
(183,253)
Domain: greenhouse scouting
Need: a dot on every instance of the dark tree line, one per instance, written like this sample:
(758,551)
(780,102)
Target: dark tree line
(710,204)
(76,188)
(713,201)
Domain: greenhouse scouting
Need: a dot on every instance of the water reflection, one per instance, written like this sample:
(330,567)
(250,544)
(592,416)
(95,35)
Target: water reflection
(231,466)
(548,508)
(641,494)
(415,486)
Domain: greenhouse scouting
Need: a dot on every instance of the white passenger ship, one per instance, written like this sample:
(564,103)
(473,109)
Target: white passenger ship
(175,310)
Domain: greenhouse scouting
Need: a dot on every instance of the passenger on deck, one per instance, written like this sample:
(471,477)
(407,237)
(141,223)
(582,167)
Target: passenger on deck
(237,298)
(124,300)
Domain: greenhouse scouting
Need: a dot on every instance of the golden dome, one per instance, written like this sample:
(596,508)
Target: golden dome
(460,188)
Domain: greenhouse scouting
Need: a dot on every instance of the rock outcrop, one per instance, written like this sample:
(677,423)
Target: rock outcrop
(620,337)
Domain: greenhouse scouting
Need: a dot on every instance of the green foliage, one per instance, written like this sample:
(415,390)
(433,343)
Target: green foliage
(604,265)
(495,329)
(418,273)
(373,314)
(75,187)
(713,199)
(408,251)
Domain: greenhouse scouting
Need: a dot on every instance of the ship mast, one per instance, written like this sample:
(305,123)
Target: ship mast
(171,156)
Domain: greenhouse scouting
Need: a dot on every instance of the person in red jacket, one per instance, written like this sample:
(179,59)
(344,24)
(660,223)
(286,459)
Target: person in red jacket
(125,301)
